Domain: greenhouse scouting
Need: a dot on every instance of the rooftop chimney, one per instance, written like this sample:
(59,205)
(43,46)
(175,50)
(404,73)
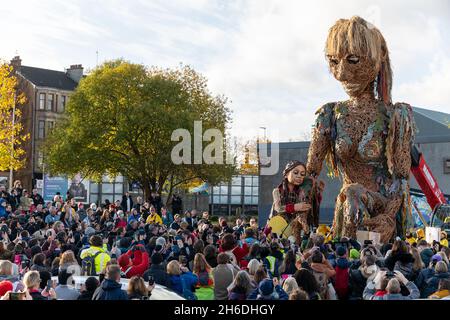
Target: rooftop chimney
(75,72)
(16,62)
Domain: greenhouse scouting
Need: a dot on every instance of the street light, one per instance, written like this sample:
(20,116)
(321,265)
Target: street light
(264,132)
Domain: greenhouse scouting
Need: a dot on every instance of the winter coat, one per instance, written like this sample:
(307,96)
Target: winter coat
(140,263)
(357,284)
(238,252)
(426,255)
(110,290)
(223,276)
(86,295)
(282,295)
(433,282)
(176,282)
(422,280)
(369,293)
(341,283)
(323,272)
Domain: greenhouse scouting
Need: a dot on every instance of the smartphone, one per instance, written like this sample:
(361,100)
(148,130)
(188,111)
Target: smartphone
(49,285)
(24,264)
(151,280)
(16,295)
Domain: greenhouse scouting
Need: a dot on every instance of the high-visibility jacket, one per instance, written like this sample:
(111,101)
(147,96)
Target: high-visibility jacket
(154,219)
(100,261)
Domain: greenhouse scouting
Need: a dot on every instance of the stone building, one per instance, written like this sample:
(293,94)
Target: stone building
(47,93)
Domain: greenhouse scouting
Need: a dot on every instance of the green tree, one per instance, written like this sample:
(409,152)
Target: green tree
(120,120)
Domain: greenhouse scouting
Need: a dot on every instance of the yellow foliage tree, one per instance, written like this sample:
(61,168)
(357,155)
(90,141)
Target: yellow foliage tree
(11,138)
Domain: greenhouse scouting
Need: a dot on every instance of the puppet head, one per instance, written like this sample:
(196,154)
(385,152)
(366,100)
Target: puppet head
(358,57)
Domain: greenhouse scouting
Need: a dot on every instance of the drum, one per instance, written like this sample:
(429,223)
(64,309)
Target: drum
(280,226)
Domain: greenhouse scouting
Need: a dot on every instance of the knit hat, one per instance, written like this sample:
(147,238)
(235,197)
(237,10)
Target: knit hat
(89,231)
(157,258)
(436,258)
(161,241)
(5,286)
(35,250)
(341,251)
(266,287)
(354,254)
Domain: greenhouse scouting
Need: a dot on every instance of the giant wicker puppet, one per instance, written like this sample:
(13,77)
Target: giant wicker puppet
(366,139)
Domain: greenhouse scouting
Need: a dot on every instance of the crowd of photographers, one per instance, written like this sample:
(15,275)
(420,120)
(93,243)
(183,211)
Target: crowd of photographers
(196,258)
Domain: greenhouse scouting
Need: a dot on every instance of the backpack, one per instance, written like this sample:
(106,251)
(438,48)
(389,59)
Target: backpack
(322,280)
(341,283)
(88,264)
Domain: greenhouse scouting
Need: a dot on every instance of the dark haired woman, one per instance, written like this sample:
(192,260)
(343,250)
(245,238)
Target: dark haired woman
(231,246)
(307,282)
(296,199)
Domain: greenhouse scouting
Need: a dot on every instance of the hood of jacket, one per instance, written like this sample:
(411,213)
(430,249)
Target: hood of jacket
(109,285)
(319,267)
(342,263)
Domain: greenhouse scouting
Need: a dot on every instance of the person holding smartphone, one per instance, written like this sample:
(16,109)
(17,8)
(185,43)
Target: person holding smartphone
(32,282)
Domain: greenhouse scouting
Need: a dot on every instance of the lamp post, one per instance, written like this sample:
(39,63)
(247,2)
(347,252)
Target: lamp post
(264,132)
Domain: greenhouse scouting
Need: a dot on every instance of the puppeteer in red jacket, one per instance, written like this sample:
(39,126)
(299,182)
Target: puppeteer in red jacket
(134,262)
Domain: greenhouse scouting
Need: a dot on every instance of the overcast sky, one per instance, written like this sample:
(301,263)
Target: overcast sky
(266,56)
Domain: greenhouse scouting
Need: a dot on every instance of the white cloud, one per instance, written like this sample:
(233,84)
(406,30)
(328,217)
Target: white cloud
(265,55)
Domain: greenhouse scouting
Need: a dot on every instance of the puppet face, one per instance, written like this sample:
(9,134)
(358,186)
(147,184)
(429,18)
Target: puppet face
(356,73)
(296,175)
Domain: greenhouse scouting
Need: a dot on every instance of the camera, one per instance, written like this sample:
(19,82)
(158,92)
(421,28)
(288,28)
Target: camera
(390,274)
(4,228)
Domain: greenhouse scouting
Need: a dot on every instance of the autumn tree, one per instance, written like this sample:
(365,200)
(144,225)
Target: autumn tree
(11,135)
(121,118)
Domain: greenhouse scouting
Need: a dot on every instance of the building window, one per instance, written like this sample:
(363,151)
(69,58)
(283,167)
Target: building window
(41,129)
(42,101)
(62,104)
(50,102)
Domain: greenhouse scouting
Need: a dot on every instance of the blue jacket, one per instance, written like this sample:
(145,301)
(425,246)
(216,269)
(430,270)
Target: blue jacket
(133,217)
(3,209)
(255,295)
(168,219)
(190,280)
(422,278)
(110,290)
(433,283)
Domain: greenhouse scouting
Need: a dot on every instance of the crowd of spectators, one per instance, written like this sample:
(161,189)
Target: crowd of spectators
(197,258)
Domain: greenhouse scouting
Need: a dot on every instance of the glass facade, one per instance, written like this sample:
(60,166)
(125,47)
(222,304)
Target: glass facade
(238,196)
(111,189)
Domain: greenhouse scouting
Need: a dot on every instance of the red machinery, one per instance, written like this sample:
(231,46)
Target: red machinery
(425,179)
(429,185)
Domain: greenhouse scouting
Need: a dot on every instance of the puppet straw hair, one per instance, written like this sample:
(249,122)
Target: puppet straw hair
(357,36)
